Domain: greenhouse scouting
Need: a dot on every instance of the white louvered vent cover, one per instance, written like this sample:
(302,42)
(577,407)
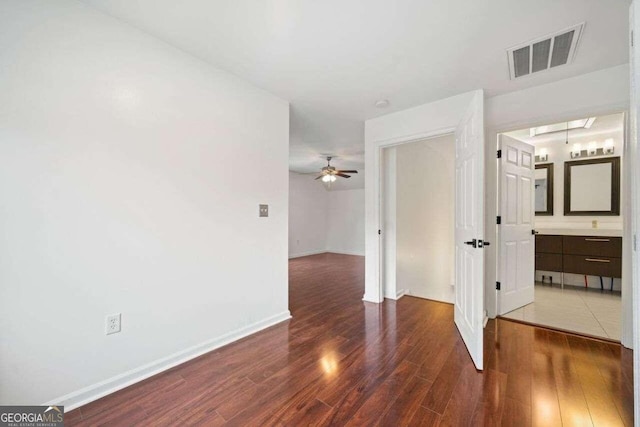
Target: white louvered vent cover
(543,53)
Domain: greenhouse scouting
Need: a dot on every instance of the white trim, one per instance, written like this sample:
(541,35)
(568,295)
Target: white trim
(307,253)
(397,296)
(93,392)
(634,200)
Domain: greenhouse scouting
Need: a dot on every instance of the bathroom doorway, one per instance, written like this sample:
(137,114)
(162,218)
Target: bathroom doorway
(568,272)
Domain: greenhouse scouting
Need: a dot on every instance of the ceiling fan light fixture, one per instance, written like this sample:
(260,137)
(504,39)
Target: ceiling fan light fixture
(328,178)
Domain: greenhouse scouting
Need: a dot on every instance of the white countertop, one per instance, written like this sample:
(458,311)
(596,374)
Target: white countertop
(581,231)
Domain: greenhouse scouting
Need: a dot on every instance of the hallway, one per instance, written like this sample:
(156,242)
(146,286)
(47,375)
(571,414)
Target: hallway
(340,361)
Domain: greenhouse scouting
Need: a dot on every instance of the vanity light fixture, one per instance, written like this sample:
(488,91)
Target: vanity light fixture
(576,151)
(592,149)
(608,146)
(543,155)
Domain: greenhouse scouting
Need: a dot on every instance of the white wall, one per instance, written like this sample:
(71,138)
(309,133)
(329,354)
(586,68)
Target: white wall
(324,221)
(130,178)
(345,230)
(307,215)
(425,218)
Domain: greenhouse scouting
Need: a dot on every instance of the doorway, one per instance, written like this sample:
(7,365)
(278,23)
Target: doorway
(418,197)
(571,277)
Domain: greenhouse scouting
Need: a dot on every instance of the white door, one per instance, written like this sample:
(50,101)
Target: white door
(469,269)
(516,242)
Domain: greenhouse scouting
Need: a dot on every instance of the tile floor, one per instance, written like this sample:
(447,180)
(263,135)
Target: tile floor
(591,311)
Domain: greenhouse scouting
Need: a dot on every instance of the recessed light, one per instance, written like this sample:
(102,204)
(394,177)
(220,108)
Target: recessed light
(383,103)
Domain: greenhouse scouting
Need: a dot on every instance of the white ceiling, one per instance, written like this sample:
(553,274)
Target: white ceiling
(333,59)
(603,125)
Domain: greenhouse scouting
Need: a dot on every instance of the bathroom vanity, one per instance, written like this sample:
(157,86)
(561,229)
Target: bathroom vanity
(596,253)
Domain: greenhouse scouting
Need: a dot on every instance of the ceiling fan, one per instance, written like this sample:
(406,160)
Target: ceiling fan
(329,173)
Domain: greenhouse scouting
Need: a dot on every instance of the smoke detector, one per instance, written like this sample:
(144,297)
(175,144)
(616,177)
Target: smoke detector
(553,50)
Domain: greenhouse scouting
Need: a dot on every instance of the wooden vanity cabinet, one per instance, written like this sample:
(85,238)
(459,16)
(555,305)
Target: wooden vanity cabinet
(589,255)
(548,253)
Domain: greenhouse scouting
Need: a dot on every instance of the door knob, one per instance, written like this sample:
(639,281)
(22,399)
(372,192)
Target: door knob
(472,242)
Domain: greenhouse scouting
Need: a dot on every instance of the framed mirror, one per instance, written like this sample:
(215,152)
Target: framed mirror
(544,189)
(592,187)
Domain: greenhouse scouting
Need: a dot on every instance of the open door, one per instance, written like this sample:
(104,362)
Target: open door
(469,262)
(516,242)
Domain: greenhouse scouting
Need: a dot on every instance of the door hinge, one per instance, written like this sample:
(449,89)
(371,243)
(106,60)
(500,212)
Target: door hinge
(631,38)
(498,286)
(635,243)
(499,154)
(379,232)
(498,219)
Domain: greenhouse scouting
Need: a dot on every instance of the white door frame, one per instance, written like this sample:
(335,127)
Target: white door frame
(377,167)
(628,307)
(431,120)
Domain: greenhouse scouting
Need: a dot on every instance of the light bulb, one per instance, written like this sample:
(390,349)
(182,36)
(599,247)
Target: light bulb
(575,151)
(543,155)
(333,178)
(326,178)
(608,146)
(592,148)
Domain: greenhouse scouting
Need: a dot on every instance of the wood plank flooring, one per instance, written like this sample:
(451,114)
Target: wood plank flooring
(341,361)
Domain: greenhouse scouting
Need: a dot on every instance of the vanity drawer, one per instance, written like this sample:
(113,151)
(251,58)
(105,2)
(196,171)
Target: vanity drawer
(594,265)
(548,262)
(548,244)
(592,245)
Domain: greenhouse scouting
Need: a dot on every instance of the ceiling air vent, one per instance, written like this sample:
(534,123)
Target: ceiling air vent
(543,53)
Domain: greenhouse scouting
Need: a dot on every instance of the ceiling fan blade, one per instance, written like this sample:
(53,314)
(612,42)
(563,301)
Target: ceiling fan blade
(319,177)
(341,171)
(343,175)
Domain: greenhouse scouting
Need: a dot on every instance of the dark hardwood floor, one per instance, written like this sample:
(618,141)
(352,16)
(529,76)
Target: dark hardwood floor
(341,361)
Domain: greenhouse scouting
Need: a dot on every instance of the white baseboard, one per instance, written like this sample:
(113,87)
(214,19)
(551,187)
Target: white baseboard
(398,295)
(93,392)
(307,253)
(324,251)
(357,253)
(369,298)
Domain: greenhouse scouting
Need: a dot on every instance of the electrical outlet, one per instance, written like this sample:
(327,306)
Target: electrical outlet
(263,210)
(113,324)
